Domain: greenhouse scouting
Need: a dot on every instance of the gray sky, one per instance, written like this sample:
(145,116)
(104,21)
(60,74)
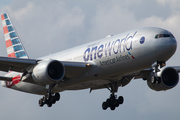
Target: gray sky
(50,26)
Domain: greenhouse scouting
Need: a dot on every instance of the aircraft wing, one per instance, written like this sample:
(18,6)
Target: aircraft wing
(144,73)
(73,69)
(15,64)
(20,64)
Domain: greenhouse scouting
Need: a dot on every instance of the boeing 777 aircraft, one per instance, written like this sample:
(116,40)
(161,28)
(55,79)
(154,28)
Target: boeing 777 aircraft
(110,63)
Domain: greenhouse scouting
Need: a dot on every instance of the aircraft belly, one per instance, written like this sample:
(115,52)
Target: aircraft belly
(31,88)
(85,84)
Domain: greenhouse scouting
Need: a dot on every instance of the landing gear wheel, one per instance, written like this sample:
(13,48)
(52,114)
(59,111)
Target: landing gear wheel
(116,103)
(108,102)
(57,96)
(104,106)
(49,99)
(120,99)
(41,104)
(112,102)
(53,100)
(112,107)
(49,104)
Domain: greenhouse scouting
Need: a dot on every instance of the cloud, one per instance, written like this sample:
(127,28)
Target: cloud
(171,2)
(51,26)
(19,14)
(45,24)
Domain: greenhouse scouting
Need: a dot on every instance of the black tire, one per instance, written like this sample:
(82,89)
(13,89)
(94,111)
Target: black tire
(108,102)
(104,106)
(49,104)
(41,104)
(112,107)
(57,96)
(117,103)
(112,100)
(120,99)
(53,100)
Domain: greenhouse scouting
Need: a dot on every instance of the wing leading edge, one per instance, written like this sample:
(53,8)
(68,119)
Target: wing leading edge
(22,65)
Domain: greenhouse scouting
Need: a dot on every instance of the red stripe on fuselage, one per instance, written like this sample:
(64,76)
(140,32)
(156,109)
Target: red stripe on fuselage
(15,80)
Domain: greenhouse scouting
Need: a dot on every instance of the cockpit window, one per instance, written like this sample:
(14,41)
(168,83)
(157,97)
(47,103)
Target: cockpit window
(172,35)
(163,35)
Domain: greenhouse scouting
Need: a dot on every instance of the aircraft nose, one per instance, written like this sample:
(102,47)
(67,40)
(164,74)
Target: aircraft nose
(165,48)
(171,45)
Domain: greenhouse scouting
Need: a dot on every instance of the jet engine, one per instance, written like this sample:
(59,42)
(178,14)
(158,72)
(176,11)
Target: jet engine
(165,79)
(48,72)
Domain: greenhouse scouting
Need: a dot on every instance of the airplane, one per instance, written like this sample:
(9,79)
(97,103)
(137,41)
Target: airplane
(111,62)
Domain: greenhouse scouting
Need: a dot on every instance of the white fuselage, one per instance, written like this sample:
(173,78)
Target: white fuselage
(115,57)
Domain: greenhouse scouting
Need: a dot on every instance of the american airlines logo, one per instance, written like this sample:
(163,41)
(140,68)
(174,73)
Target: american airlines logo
(114,60)
(104,50)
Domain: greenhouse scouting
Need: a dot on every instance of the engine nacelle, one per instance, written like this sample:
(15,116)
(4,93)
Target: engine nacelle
(48,72)
(166,79)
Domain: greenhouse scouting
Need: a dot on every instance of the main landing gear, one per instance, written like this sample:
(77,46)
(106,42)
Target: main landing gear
(113,101)
(49,98)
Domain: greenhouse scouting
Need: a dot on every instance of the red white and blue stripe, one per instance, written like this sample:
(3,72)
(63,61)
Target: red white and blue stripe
(14,46)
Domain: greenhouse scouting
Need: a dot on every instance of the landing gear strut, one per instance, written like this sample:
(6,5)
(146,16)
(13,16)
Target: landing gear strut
(49,98)
(113,101)
(156,68)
